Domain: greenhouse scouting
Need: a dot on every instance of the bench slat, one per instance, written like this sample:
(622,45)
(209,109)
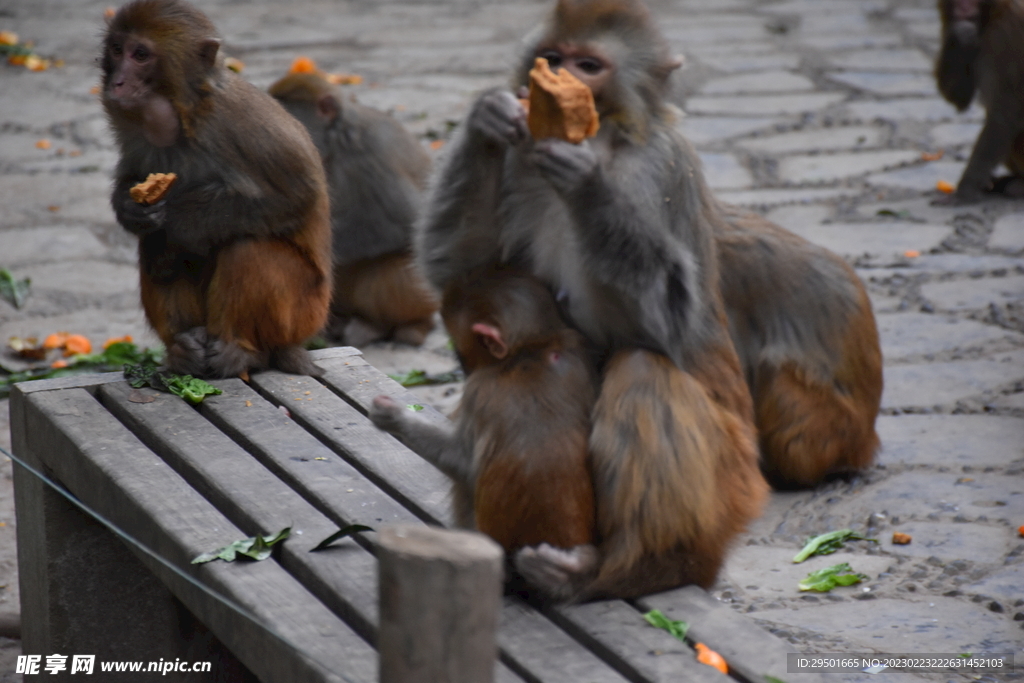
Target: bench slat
(109,469)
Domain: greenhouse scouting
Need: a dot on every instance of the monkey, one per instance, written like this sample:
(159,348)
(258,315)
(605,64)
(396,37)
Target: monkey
(376,173)
(517,452)
(621,228)
(234,261)
(802,324)
(981,53)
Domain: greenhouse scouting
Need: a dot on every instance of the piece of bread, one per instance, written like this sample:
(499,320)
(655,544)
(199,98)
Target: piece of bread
(561,106)
(153,188)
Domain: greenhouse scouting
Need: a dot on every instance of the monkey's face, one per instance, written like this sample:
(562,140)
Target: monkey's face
(130,68)
(586,62)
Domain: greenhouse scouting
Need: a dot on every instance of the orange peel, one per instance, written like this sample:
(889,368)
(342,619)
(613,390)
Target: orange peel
(705,655)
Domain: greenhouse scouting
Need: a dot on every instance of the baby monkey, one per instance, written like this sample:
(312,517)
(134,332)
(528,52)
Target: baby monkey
(517,449)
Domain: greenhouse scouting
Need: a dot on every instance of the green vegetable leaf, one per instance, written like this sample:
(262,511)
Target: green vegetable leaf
(676,628)
(824,580)
(257,548)
(414,407)
(146,373)
(15,291)
(826,544)
(902,214)
(772,679)
(349,530)
(190,388)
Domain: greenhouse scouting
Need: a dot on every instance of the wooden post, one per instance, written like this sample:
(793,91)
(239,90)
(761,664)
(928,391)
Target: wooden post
(440,592)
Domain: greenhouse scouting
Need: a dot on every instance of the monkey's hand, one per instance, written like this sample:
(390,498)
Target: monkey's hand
(387,414)
(499,118)
(140,219)
(559,573)
(565,165)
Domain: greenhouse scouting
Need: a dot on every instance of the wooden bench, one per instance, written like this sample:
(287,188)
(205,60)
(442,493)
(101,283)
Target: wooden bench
(186,480)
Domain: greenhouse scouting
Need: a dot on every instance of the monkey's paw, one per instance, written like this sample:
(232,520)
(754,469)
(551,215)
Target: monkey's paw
(500,118)
(187,355)
(559,572)
(140,219)
(228,359)
(386,413)
(565,165)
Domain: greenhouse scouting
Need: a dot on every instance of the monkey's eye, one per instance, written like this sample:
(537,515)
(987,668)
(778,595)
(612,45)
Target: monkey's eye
(115,48)
(590,65)
(554,59)
(140,54)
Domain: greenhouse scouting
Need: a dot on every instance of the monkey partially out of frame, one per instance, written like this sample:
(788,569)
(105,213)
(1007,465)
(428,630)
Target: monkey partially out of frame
(376,173)
(981,53)
(517,451)
(235,261)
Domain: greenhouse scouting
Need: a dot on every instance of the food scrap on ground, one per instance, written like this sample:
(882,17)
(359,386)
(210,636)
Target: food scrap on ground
(657,619)
(256,548)
(305,65)
(824,580)
(13,290)
(899,538)
(21,54)
(706,655)
(828,543)
(945,187)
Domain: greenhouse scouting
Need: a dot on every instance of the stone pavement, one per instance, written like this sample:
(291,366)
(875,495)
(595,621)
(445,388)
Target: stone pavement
(815,112)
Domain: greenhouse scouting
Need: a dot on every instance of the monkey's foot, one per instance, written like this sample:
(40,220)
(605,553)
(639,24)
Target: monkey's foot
(229,359)
(294,359)
(558,572)
(187,355)
(359,333)
(1011,186)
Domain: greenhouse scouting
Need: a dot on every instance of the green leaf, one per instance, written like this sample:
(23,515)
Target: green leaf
(15,291)
(190,388)
(676,628)
(414,407)
(772,679)
(902,214)
(824,580)
(349,530)
(828,543)
(257,548)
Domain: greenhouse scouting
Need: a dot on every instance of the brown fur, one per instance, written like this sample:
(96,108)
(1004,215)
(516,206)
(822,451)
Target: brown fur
(376,172)
(803,325)
(234,263)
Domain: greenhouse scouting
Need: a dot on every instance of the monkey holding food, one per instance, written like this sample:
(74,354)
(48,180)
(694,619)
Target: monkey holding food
(234,261)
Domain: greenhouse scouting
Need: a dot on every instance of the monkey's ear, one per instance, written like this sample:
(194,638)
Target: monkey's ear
(328,107)
(208,49)
(490,336)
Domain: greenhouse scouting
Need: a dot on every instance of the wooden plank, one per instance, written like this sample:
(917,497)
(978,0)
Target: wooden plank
(750,651)
(327,481)
(439,597)
(358,382)
(88,381)
(620,635)
(343,576)
(107,467)
(405,476)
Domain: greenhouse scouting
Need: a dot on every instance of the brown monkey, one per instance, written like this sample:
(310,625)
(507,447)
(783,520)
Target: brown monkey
(802,324)
(235,261)
(376,173)
(517,452)
(981,51)
(622,227)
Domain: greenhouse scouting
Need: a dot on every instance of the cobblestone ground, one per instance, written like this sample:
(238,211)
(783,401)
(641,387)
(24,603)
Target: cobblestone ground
(815,112)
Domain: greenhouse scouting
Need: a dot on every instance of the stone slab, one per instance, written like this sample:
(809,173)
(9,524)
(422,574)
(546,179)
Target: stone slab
(725,172)
(974,294)
(855,239)
(950,440)
(1013,402)
(89,277)
(852,41)
(922,177)
(733,63)
(1008,233)
(757,571)
(912,108)
(907,335)
(76,197)
(955,134)
(787,195)
(823,139)
(48,244)
(830,167)
(846,23)
(885,82)
(904,626)
(777,81)
(800,218)
(814,7)
(943,384)
(1006,585)
(952,263)
(701,130)
(765,105)
(986,543)
(881,60)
